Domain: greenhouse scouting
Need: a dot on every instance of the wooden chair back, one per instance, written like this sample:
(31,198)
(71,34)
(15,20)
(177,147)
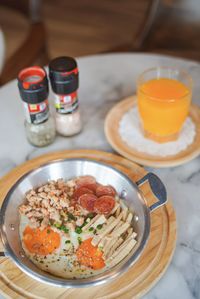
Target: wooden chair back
(33,49)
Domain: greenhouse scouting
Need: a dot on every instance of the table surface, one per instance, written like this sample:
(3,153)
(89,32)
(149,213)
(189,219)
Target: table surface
(105,80)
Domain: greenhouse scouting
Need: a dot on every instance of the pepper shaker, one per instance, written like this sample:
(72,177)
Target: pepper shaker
(33,88)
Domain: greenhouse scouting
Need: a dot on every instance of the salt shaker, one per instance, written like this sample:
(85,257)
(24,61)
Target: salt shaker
(64,77)
(33,88)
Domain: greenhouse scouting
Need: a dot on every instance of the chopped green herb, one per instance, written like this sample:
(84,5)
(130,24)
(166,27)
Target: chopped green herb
(91,229)
(64,228)
(99,226)
(90,215)
(78,230)
(71,216)
(48,231)
(57,225)
(67,241)
(84,224)
(79,240)
(101,248)
(61,227)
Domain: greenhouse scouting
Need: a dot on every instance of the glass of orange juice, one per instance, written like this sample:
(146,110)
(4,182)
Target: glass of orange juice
(164,96)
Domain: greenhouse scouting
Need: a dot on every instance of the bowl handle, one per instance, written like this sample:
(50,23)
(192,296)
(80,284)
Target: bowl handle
(157,187)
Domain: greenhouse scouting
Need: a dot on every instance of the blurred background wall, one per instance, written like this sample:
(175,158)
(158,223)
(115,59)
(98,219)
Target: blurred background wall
(83,27)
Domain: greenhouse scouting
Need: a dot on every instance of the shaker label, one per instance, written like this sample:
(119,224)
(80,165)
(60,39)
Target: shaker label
(66,104)
(36,113)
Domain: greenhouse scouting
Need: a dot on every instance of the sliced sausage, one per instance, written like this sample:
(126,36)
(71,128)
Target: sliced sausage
(80,191)
(87,201)
(105,190)
(87,181)
(104,204)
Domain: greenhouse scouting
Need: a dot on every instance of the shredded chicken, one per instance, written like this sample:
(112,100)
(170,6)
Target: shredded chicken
(45,203)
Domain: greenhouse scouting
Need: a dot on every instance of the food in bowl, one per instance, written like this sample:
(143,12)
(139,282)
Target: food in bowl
(76,228)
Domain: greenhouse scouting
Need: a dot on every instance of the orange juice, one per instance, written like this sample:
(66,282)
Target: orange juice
(163,107)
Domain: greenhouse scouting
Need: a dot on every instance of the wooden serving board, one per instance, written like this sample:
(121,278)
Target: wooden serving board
(111,128)
(136,281)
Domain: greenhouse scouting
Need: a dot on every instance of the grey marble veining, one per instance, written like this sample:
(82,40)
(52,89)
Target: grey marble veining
(105,80)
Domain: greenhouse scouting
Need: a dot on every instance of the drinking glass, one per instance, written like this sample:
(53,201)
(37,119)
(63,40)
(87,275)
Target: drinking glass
(164,96)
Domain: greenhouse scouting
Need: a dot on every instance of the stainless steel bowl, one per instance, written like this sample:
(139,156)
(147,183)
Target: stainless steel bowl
(67,169)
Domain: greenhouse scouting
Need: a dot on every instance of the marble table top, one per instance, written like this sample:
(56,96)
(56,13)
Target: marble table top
(105,80)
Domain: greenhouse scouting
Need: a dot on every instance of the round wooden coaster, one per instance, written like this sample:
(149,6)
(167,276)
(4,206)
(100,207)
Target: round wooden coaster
(111,128)
(136,281)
